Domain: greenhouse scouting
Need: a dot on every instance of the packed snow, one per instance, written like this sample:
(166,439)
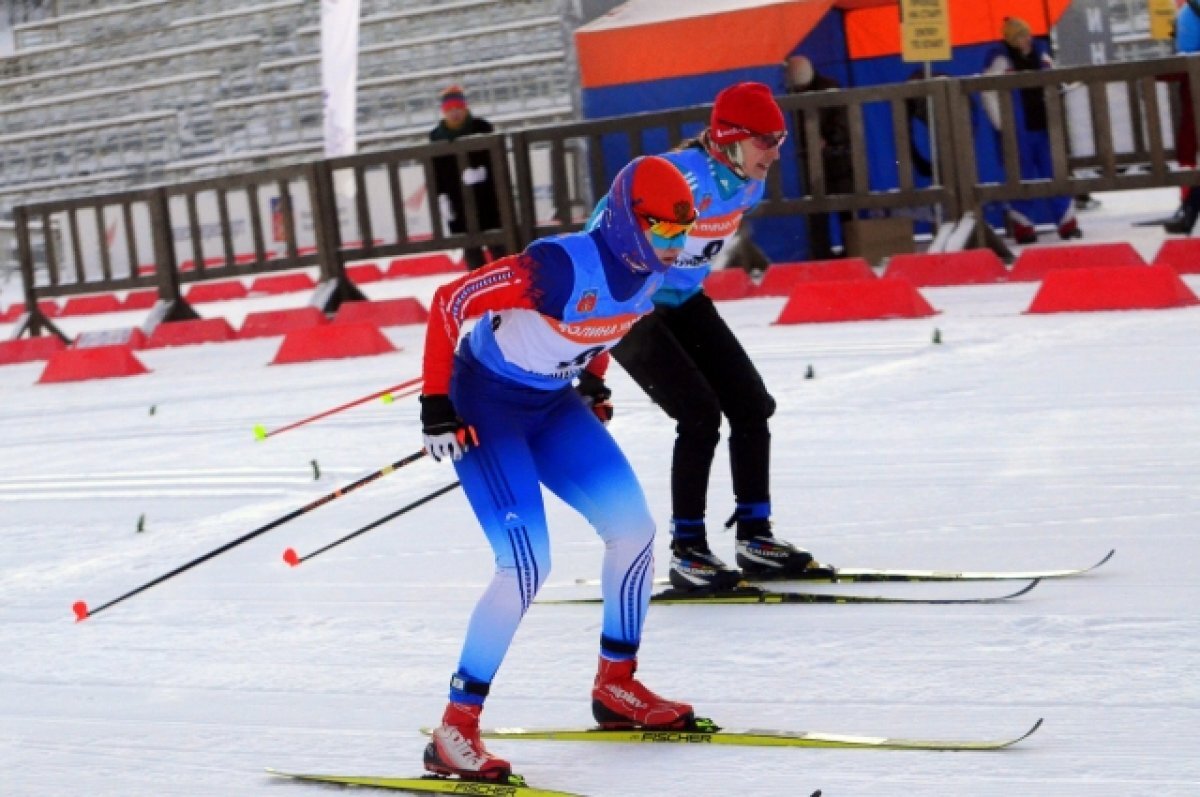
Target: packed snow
(1020,441)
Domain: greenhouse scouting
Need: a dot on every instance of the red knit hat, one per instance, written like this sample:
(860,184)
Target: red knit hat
(743,110)
(659,191)
(453,97)
(648,188)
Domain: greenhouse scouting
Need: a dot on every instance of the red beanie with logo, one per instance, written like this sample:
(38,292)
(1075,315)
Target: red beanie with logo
(743,110)
(659,191)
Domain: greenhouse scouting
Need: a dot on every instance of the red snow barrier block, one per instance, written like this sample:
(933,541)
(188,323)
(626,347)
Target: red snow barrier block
(728,283)
(780,278)
(862,300)
(384,313)
(187,333)
(95,338)
(1112,288)
(91,305)
(280,322)
(1038,261)
(364,273)
(1181,254)
(969,267)
(27,350)
(423,265)
(282,283)
(102,362)
(140,300)
(215,291)
(49,307)
(332,342)
(13,312)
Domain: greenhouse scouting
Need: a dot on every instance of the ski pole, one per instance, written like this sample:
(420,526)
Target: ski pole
(82,612)
(294,560)
(261,433)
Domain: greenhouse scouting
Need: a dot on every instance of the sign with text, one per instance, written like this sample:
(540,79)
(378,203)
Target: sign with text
(1162,19)
(925,30)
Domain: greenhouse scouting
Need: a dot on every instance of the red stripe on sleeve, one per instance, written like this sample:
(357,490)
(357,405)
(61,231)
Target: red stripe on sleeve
(503,285)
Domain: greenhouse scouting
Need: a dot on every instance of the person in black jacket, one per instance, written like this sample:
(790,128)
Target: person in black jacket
(834,125)
(457,122)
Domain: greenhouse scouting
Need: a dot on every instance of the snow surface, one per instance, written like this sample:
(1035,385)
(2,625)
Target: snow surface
(1021,441)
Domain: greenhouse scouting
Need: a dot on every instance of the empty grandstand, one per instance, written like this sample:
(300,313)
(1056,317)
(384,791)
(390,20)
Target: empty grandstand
(98,97)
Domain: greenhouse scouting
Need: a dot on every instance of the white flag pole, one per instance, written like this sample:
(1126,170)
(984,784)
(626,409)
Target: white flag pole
(339,79)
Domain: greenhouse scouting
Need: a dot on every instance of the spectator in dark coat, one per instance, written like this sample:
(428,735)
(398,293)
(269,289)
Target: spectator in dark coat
(457,122)
(834,124)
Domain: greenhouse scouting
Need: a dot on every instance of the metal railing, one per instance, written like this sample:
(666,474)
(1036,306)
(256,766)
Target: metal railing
(328,213)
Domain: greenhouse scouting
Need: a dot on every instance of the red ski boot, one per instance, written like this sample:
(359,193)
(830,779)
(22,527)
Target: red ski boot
(456,748)
(1021,230)
(621,701)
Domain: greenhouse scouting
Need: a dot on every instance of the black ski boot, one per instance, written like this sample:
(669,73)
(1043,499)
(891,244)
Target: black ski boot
(694,567)
(1185,218)
(762,555)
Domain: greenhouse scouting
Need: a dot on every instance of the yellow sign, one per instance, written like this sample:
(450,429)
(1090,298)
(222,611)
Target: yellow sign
(925,30)
(1162,19)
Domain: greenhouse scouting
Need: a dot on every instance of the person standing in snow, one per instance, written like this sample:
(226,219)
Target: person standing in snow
(504,410)
(690,363)
(1018,52)
(479,177)
(1187,40)
(837,165)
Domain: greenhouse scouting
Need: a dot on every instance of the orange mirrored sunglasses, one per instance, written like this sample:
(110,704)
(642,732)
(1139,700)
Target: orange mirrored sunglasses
(668,229)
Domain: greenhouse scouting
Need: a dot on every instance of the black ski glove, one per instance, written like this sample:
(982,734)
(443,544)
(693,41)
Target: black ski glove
(446,434)
(596,395)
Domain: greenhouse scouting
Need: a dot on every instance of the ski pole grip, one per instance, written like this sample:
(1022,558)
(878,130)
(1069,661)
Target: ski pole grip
(467,437)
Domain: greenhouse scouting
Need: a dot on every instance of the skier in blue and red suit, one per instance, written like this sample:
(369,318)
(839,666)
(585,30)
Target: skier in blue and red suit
(504,410)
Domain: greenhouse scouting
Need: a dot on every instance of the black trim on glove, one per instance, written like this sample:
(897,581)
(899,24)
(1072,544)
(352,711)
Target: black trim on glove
(596,395)
(593,387)
(438,415)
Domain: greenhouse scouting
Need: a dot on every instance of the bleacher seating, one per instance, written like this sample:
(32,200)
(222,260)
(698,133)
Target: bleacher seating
(520,37)
(386,105)
(274,22)
(100,97)
(236,59)
(126,143)
(187,92)
(97,25)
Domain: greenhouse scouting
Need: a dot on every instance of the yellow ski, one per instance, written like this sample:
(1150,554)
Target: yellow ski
(432,784)
(754,738)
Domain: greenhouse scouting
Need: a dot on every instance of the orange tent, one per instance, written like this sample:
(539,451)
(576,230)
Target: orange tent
(645,40)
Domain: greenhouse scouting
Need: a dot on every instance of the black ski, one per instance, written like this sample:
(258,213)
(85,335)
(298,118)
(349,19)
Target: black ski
(850,575)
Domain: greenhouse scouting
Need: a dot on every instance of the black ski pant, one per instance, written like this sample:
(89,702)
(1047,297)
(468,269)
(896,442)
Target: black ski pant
(689,362)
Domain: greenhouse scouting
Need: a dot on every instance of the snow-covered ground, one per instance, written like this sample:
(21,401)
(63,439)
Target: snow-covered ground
(1020,441)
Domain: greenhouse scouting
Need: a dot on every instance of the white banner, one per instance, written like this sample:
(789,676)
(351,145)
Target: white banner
(339,74)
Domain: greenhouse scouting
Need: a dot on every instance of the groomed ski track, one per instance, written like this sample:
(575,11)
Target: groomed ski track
(1020,438)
